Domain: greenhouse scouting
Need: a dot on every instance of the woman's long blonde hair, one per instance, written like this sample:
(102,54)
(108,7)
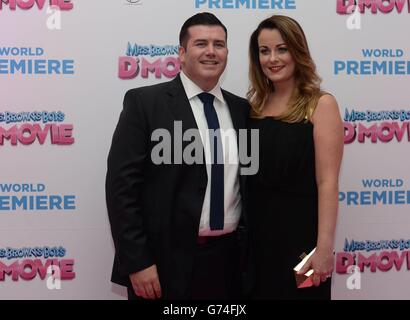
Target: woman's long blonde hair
(307,91)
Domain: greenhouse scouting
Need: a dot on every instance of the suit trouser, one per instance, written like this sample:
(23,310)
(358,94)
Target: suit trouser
(216,269)
(215,272)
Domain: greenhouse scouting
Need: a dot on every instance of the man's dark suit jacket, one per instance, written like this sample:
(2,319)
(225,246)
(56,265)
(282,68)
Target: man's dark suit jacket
(155,210)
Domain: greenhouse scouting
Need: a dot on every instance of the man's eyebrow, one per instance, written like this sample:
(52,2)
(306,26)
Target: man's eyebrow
(206,40)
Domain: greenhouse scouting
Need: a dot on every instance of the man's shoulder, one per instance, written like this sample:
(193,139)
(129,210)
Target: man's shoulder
(150,99)
(235,98)
(153,89)
(231,95)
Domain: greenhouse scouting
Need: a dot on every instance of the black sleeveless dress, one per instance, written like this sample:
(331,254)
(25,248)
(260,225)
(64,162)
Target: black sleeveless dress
(282,209)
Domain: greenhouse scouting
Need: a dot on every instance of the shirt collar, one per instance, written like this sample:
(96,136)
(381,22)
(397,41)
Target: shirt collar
(192,90)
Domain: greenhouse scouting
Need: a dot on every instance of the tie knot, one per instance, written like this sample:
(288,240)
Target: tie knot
(206,98)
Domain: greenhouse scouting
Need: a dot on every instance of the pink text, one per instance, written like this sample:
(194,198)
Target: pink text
(28,4)
(384,132)
(28,269)
(60,134)
(130,67)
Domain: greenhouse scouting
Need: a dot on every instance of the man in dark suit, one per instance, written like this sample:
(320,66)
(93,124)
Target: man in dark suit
(175,225)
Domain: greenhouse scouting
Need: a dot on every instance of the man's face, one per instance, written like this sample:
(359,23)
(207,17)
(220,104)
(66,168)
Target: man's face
(204,58)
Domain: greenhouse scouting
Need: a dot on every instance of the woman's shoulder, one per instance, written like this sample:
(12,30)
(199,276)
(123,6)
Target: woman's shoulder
(326,101)
(317,100)
(326,107)
(326,98)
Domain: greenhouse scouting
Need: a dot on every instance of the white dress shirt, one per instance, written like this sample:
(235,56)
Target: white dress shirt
(232,198)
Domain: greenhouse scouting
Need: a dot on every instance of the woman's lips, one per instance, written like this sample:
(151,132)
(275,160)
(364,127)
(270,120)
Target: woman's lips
(276,68)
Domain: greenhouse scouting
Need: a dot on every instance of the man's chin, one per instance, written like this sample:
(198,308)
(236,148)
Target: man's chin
(211,73)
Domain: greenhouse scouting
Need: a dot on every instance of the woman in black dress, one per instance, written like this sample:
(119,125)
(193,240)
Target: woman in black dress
(293,199)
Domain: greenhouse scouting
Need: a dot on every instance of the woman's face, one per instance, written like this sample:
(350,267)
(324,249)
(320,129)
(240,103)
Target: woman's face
(276,61)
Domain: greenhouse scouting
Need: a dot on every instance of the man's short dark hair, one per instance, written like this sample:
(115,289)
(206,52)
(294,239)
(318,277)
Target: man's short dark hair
(204,19)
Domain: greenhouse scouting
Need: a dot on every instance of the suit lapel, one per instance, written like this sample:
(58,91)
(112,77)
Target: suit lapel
(181,109)
(180,106)
(238,120)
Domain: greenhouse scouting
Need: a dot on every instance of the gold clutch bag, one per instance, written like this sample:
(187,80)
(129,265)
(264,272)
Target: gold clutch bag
(304,280)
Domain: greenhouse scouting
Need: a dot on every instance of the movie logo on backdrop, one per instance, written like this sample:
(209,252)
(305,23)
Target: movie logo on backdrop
(27,128)
(373,6)
(377,192)
(29,263)
(32,61)
(31,197)
(374,126)
(374,255)
(375,62)
(28,4)
(146,60)
(245,4)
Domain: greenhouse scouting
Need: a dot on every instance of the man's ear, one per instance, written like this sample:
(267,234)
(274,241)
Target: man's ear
(181,54)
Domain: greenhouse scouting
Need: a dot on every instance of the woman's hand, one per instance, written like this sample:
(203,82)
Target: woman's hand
(322,262)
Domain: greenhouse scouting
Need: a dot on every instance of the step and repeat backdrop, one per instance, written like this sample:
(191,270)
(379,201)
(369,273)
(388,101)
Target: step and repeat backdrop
(64,69)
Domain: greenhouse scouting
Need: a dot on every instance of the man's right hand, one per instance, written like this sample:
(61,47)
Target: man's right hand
(146,283)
